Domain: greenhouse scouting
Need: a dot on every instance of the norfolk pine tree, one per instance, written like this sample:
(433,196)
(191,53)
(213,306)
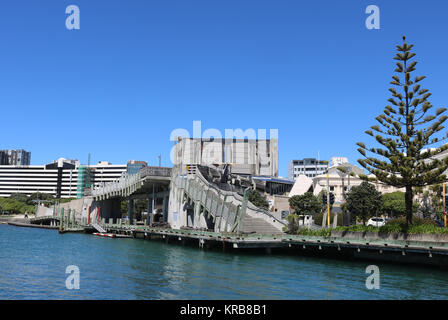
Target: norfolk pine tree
(406,129)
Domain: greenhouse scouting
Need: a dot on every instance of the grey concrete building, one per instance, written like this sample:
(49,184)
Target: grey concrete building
(246,156)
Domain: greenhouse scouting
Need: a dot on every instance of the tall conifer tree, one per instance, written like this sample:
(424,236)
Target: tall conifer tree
(410,133)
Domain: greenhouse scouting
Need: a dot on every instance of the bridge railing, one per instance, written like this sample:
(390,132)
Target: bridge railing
(233,193)
(127,181)
(122,183)
(212,196)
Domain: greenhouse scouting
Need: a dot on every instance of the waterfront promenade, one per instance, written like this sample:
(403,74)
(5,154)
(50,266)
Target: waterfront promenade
(423,249)
(414,249)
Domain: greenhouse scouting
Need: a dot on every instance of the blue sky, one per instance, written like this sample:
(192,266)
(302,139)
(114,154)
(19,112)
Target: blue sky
(137,69)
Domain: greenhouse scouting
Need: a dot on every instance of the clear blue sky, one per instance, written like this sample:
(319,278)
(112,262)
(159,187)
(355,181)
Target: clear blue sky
(138,69)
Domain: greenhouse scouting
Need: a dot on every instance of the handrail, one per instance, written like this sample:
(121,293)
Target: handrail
(234,194)
(237,196)
(126,180)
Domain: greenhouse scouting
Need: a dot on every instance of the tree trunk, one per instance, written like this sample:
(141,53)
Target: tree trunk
(408,200)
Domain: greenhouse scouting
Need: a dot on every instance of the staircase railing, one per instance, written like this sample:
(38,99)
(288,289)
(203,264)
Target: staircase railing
(218,202)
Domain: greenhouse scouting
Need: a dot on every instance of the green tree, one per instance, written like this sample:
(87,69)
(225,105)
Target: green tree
(405,132)
(394,203)
(124,207)
(140,205)
(39,196)
(19,197)
(258,200)
(364,201)
(305,204)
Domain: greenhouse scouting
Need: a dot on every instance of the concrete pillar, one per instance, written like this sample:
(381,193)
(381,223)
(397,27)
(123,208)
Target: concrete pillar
(335,220)
(165,209)
(131,211)
(148,211)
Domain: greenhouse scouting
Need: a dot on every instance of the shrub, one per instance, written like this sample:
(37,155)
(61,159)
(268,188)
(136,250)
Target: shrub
(358,228)
(398,225)
(318,232)
(293,224)
(258,200)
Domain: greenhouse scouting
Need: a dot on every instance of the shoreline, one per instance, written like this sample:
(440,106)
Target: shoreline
(346,246)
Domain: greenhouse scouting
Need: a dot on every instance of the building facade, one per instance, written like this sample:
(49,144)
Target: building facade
(339,183)
(246,156)
(62,178)
(18,157)
(3,157)
(135,166)
(309,167)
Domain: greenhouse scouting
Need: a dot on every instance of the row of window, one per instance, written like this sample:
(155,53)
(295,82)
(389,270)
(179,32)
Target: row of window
(298,169)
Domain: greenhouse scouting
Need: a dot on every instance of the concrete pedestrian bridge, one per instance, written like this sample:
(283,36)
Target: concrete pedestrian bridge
(142,183)
(186,198)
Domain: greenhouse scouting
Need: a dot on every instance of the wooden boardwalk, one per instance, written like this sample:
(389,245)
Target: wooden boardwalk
(401,251)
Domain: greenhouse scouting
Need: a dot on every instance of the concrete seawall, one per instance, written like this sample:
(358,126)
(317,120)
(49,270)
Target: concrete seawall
(440,239)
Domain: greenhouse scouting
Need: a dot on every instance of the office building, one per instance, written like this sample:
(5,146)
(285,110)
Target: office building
(62,178)
(18,157)
(309,167)
(134,166)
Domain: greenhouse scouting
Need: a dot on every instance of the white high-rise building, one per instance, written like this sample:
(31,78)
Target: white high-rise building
(309,167)
(59,178)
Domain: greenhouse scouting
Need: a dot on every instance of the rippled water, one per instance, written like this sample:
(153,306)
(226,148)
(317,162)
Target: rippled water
(33,264)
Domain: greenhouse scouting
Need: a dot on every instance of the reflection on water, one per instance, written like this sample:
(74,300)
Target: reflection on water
(33,263)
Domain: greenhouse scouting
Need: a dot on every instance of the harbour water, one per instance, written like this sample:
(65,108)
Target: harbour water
(33,265)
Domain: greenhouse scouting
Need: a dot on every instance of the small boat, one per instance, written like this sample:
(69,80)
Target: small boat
(109,235)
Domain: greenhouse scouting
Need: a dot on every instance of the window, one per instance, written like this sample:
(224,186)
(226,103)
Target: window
(331,188)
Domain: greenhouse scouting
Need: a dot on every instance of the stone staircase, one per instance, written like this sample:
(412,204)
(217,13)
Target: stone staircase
(219,203)
(258,225)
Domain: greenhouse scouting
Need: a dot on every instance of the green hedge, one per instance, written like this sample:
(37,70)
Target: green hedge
(318,232)
(398,225)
